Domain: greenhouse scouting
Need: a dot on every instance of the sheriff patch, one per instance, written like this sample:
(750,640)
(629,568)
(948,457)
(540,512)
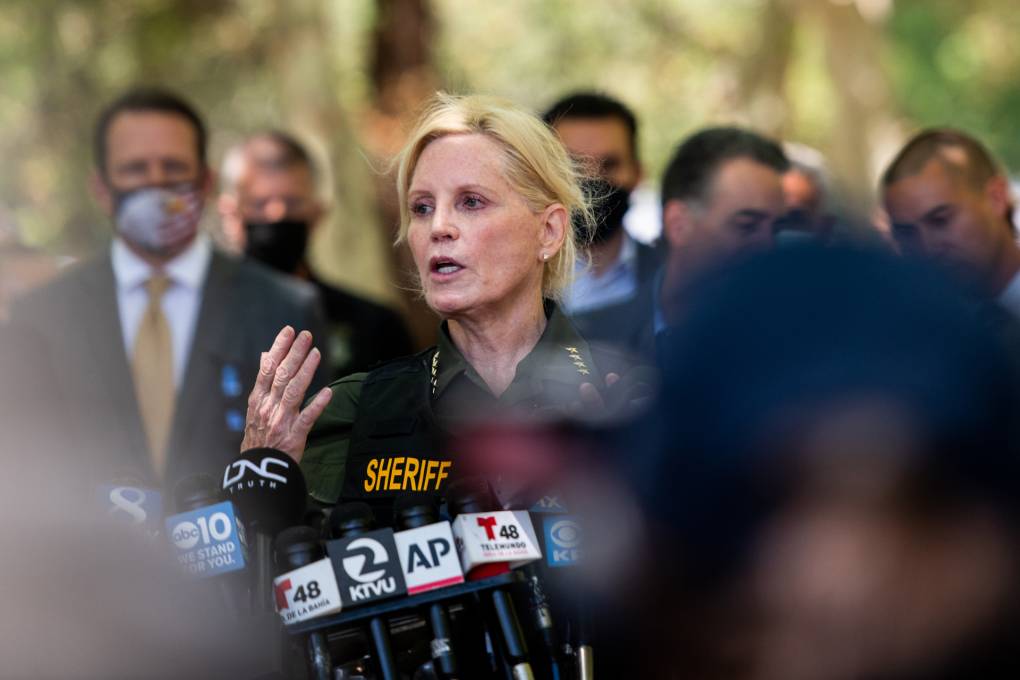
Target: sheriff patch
(405,473)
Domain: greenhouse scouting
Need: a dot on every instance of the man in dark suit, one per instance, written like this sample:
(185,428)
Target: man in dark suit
(270,206)
(601,132)
(156,342)
(721,196)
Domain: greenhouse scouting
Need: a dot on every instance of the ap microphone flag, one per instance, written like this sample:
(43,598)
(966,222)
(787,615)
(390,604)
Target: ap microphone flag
(428,558)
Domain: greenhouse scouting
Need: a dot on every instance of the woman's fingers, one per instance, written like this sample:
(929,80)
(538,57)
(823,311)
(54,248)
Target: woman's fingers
(267,369)
(306,419)
(274,417)
(294,393)
(311,413)
(590,397)
(288,368)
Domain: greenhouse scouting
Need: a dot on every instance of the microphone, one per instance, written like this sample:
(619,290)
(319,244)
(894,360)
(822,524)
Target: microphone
(269,489)
(489,542)
(205,531)
(563,547)
(208,538)
(369,561)
(129,501)
(307,589)
(429,561)
(486,541)
(271,494)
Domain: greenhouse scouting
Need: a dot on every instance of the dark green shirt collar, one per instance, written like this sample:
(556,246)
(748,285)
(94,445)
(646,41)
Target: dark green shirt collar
(560,356)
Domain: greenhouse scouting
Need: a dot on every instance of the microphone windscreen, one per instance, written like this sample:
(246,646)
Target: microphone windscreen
(195,492)
(268,488)
(470,494)
(350,518)
(297,546)
(413,511)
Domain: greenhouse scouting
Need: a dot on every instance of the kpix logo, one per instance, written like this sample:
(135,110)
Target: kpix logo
(563,541)
(235,471)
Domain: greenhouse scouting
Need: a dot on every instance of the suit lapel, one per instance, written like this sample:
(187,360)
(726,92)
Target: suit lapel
(106,352)
(213,351)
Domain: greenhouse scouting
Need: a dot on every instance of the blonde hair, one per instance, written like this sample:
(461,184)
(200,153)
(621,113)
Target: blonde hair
(535,164)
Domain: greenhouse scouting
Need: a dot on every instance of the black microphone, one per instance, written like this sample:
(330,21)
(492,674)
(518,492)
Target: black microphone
(416,512)
(471,501)
(130,501)
(271,494)
(295,548)
(562,546)
(207,535)
(369,561)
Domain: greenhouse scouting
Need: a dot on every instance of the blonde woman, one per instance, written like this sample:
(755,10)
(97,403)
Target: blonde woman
(487,196)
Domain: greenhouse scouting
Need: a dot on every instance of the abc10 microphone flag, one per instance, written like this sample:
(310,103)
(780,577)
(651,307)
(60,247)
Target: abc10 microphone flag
(208,541)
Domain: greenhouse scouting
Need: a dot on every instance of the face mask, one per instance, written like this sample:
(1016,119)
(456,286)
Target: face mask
(158,220)
(280,245)
(609,204)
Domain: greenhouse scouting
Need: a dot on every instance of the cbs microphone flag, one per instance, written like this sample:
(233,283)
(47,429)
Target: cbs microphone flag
(501,536)
(307,592)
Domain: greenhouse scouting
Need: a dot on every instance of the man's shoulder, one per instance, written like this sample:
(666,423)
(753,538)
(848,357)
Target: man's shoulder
(76,279)
(349,305)
(627,325)
(260,281)
(649,258)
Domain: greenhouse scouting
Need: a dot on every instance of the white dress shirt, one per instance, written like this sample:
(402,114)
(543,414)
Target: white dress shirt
(1009,298)
(618,283)
(181,301)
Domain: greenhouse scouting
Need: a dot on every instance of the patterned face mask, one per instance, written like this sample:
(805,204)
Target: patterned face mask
(159,219)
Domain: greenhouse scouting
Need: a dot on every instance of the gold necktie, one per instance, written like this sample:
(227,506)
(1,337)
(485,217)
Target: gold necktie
(153,369)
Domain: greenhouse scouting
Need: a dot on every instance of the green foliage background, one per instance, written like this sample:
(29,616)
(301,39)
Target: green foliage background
(850,77)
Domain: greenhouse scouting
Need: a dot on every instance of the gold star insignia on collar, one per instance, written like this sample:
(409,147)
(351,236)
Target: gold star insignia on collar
(575,358)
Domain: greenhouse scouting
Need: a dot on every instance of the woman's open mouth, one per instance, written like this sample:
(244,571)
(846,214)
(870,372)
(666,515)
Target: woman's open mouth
(444,267)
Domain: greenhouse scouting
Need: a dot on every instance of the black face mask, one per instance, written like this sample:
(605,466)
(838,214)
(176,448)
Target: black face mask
(609,204)
(280,245)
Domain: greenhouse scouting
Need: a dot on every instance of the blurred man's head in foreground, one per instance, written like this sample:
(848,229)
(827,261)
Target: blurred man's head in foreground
(829,484)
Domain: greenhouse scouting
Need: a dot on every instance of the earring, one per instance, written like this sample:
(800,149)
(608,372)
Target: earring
(545,256)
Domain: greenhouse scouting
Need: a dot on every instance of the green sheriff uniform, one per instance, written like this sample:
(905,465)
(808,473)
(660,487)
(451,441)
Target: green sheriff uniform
(384,432)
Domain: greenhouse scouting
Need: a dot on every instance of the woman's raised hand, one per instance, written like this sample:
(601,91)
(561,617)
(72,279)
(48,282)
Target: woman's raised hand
(275,418)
